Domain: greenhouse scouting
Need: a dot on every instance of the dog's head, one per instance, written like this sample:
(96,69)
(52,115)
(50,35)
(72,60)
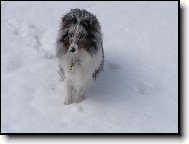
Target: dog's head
(80,30)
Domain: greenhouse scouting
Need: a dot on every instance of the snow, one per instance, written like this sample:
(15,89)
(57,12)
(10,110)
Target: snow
(136,93)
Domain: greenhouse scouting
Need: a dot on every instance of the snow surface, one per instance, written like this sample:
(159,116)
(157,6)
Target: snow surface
(136,93)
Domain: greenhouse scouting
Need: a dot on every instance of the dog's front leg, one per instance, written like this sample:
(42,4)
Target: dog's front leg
(67,93)
(81,95)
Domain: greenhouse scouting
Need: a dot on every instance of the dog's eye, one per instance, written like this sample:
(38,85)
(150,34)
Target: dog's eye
(81,37)
(70,35)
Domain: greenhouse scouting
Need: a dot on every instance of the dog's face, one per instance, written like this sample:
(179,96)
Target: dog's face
(78,33)
(77,38)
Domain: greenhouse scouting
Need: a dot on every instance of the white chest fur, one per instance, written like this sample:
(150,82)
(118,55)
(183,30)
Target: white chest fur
(79,73)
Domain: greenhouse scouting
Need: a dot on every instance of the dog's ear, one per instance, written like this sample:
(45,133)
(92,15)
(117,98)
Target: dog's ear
(90,24)
(85,23)
(93,22)
(67,20)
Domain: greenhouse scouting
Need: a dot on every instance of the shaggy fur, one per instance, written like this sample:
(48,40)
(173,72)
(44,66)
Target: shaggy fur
(79,52)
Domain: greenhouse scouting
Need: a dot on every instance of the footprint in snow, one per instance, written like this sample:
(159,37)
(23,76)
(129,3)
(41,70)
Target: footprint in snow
(144,88)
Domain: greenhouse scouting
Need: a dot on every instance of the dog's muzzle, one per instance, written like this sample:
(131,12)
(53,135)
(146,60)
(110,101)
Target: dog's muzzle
(72,49)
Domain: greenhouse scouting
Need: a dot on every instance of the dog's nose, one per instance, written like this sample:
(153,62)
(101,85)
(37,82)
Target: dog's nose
(72,49)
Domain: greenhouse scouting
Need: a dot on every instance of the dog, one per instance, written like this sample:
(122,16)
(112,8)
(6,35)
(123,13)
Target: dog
(79,51)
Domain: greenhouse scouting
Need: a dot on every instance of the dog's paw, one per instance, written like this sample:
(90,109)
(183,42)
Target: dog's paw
(80,99)
(68,101)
